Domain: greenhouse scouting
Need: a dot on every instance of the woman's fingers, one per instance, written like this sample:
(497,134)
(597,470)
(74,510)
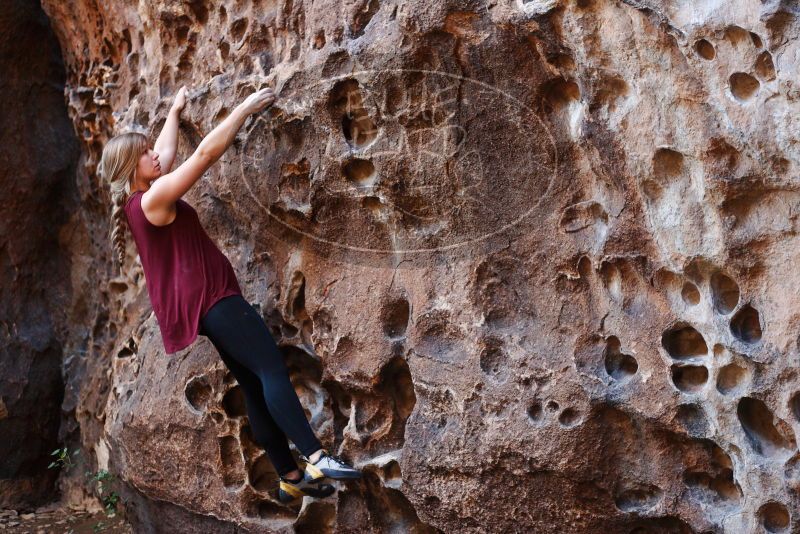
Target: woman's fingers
(180,98)
(260,99)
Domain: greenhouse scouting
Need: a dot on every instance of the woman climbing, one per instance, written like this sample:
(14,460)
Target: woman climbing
(194,291)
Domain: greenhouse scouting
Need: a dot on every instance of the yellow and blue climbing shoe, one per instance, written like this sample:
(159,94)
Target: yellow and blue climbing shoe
(329,466)
(290,490)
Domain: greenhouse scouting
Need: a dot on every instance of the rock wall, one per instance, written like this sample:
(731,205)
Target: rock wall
(531,262)
(38,156)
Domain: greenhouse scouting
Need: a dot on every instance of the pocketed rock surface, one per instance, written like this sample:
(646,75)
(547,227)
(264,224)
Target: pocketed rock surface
(533,264)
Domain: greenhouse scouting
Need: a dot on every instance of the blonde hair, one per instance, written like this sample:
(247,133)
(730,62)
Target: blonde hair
(117,167)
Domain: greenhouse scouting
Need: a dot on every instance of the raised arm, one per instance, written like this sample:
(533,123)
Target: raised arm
(166,190)
(167,143)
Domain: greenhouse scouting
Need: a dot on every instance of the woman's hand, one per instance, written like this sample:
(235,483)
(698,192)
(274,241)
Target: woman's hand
(258,100)
(174,185)
(180,99)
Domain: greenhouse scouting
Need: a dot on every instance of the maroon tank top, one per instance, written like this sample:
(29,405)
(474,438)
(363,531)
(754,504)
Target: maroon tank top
(184,271)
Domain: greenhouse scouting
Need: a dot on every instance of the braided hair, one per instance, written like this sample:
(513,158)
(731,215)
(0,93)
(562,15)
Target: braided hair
(117,167)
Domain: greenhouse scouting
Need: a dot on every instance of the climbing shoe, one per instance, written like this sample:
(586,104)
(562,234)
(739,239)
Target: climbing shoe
(329,466)
(289,490)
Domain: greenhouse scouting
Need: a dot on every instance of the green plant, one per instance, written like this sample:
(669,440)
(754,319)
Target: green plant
(108,498)
(63,458)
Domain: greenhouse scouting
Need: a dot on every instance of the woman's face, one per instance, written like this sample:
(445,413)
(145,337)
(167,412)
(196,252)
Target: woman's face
(148,168)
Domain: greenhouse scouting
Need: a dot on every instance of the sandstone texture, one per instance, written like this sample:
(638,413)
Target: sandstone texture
(532,263)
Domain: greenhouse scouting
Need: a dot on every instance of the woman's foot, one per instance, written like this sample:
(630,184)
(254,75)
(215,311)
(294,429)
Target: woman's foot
(328,465)
(290,490)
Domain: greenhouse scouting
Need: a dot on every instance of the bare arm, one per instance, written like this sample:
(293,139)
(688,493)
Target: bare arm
(167,143)
(166,190)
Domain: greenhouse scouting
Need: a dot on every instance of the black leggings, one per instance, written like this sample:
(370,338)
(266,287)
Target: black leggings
(247,348)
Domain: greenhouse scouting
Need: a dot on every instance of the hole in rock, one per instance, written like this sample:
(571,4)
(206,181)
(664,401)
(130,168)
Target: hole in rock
(363,17)
(638,498)
(341,403)
(318,517)
(392,471)
(584,267)
(375,206)
(743,86)
(269,510)
(346,101)
(221,114)
(560,93)
(730,378)
(682,341)
(552,406)
(746,325)
(725,486)
(757,42)
(774,516)
(359,171)
(609,91)
(619,366)
(563,62)
(250,449)
(296,298)
(198,392)
(399,385)
(612,280)
(689,378)
(690,294)
(713,488)
(493,360)
(181,33)
(535,412)
(288,331)
(394,316)
(737,35)
(667,164)
(319,39)
(791,470)
(705,49)
(794,404)
(758,423)
(583,215)
(232,462)
(693,419)
(127,350)
(262,475)
(764,66)
(371,417)
(724,293)
(233,402)
(238,29)
(569,417)
(199,10)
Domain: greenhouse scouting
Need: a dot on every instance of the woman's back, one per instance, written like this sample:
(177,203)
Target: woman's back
(185,271)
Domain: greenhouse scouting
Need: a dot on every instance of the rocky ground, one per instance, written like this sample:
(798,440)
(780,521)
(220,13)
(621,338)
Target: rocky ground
(60,520)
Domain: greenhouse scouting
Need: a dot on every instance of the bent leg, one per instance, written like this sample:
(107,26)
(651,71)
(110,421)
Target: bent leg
(243,336)
(266,431)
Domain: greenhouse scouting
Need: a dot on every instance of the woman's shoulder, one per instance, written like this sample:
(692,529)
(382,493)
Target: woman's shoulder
(131,197)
